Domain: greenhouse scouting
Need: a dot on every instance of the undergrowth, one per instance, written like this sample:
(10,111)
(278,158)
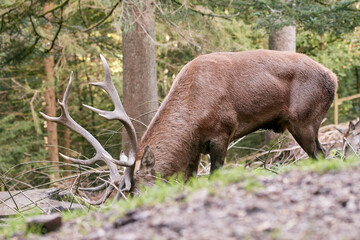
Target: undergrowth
(176,189)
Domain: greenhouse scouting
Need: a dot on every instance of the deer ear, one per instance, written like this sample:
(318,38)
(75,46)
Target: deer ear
(148,158)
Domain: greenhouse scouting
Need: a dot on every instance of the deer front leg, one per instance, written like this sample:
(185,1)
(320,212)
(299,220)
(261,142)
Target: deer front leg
(217,150)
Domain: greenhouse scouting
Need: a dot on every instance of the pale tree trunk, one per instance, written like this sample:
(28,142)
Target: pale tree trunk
(50,108)
(283,39)
(139,63)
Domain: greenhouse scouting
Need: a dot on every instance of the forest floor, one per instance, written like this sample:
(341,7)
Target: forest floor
(297,204)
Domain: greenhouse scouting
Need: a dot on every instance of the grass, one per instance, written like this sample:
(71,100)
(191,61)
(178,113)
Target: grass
(176,189)
(322,165)
(167,192)
(13,225)
(17,223)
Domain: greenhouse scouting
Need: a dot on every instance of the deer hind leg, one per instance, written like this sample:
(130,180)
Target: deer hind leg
(307,138)
(320,148)
(193,167)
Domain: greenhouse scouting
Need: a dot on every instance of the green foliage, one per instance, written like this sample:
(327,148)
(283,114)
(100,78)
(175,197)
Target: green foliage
(25,41)
(19,144)
(336,17)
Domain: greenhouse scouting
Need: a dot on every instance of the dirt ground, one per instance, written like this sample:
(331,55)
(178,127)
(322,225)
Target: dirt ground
(294,205)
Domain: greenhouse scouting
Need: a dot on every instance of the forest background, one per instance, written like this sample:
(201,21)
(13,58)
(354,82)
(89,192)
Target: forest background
(146,43)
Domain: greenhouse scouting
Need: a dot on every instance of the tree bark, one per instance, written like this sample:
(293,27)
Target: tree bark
(283,39)
(50,108)
(139,63)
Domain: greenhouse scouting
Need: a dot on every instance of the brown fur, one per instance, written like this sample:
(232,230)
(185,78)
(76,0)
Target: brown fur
(220,97)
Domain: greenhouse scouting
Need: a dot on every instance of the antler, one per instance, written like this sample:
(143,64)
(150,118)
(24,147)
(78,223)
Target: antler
(101,154)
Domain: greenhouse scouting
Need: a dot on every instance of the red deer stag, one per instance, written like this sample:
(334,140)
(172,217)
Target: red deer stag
(215,99)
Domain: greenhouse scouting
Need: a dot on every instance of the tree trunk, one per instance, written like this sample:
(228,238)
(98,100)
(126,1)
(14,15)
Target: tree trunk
(50,108)
(283,39)
(139,64)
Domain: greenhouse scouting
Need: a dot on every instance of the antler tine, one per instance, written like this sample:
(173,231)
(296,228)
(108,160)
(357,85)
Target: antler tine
(118,113)
(81,161)
(63,103)
(108,86)
(115,180)
(94,189)
(66,120)
(125,184)
(107,193)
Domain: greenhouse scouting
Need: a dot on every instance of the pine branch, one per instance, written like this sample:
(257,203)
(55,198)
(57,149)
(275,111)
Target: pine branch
(30,49)
(54,9)
(81,14)
(57,32)
(2,24)
(227,17)
(102,20)
(16,5)
(34,29)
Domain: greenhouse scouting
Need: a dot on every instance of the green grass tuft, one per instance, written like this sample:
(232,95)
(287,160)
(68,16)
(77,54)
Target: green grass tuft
(17,224)
(13,225)
(328,165)
(324,165)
